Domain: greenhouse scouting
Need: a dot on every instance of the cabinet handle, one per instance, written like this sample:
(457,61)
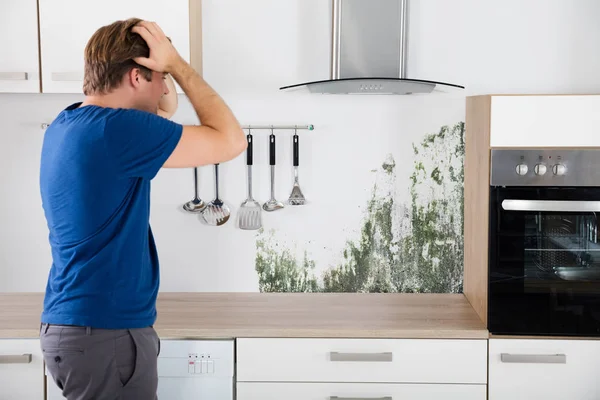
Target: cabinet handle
(361,357)
(534,358)
(360,398)
(15,359)
(14,76)
(67,76)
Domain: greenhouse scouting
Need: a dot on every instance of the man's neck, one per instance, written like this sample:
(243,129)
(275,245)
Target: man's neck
(114,99)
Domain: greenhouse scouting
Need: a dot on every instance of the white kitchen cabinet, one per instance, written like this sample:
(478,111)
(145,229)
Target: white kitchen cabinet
(362,391)
(67,25)
(433,361)
(543,369)
(19,60)
(545,121)
(21,369)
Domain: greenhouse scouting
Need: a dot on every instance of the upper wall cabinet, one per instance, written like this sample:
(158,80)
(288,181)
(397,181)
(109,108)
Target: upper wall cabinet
(19,61)
(67,25)
(545,121)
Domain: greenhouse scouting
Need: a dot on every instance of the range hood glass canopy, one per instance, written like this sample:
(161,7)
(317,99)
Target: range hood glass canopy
(369,47)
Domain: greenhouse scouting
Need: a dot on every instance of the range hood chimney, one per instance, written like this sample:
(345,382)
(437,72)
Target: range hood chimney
(369,47)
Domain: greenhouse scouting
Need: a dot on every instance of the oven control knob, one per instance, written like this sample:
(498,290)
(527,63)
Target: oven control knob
(559,169)
(522,169)
(540,169)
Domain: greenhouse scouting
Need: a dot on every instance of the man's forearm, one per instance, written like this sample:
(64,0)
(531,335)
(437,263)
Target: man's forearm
(209,106)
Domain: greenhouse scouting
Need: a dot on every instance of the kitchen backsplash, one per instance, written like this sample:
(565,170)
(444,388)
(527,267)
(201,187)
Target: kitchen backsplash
(382,174)
(409,238)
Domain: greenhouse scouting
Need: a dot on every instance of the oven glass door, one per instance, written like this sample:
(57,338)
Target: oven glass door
(544,264)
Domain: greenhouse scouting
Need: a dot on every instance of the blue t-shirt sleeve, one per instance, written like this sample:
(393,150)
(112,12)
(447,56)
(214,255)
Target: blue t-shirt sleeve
(140,142)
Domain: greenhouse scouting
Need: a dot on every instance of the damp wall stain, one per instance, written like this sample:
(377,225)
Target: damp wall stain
(409,248)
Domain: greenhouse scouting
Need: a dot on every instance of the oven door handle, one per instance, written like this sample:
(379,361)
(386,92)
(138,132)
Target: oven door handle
(551,205)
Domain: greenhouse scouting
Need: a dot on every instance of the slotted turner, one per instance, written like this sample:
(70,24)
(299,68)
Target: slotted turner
(249,215)
(216,212)
(296,197)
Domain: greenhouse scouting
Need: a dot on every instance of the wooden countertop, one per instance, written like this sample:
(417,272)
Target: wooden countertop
(325,315)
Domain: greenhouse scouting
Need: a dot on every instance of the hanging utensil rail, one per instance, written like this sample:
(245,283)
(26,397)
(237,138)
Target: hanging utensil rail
(280,127)
(252,127)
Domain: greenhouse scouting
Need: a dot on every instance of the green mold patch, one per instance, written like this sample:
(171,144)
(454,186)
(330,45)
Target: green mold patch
(415,248)
(279,270)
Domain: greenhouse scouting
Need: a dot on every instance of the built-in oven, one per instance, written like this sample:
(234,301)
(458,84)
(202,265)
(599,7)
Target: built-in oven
(544,251)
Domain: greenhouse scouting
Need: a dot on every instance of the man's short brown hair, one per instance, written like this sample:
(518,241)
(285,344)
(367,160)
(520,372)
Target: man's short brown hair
(109,56)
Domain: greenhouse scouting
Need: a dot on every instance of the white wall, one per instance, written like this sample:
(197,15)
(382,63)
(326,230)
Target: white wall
(251,48)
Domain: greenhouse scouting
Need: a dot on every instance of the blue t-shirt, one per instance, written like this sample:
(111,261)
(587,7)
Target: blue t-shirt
(95,173)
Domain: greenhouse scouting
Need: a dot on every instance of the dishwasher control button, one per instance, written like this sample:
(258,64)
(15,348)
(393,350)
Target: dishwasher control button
(198,367)
(191,365)
(211,367)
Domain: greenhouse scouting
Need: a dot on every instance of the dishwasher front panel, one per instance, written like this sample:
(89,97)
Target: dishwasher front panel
(196,369)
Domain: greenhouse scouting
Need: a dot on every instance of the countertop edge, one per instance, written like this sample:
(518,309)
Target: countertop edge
(209,334)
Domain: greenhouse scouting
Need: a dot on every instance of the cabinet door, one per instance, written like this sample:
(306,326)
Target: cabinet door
(19,60)
(67,25)
(362,360)
(21,369)
(357,391)
(544,369)
(545,121)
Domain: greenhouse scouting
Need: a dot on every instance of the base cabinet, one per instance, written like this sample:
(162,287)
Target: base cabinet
(362,391)
(21,369)
(544,369)
(361,369)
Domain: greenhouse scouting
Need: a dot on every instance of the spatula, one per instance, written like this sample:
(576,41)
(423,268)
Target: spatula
(249,215)
(296,197)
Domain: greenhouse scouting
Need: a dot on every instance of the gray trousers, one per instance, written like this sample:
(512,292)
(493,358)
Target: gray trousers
(102,364)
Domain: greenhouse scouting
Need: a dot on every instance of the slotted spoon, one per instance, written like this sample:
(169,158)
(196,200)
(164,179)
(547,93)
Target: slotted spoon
(216,212)
(296,197)
(249,215)
(272,204)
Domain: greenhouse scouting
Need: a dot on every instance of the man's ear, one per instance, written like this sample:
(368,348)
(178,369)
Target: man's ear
(134,77)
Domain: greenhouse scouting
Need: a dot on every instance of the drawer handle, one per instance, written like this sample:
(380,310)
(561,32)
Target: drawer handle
(15,359)
(13,76)
(361,357)
(360,398)
(534,358)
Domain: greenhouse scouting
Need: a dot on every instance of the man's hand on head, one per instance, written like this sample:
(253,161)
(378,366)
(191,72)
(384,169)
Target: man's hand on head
(163,55)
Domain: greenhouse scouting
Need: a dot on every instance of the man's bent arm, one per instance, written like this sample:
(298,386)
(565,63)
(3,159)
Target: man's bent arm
(219,138)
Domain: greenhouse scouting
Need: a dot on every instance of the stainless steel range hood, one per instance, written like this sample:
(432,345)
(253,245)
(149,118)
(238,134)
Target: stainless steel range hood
(369,47)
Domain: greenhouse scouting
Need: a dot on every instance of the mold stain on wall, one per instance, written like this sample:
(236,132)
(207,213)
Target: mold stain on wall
(408,248)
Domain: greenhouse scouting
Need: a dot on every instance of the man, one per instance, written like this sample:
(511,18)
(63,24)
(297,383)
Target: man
(97,161)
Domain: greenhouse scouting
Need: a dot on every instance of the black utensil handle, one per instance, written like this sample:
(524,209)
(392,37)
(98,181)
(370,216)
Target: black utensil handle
(296,140)
(249,150)
(271,149)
